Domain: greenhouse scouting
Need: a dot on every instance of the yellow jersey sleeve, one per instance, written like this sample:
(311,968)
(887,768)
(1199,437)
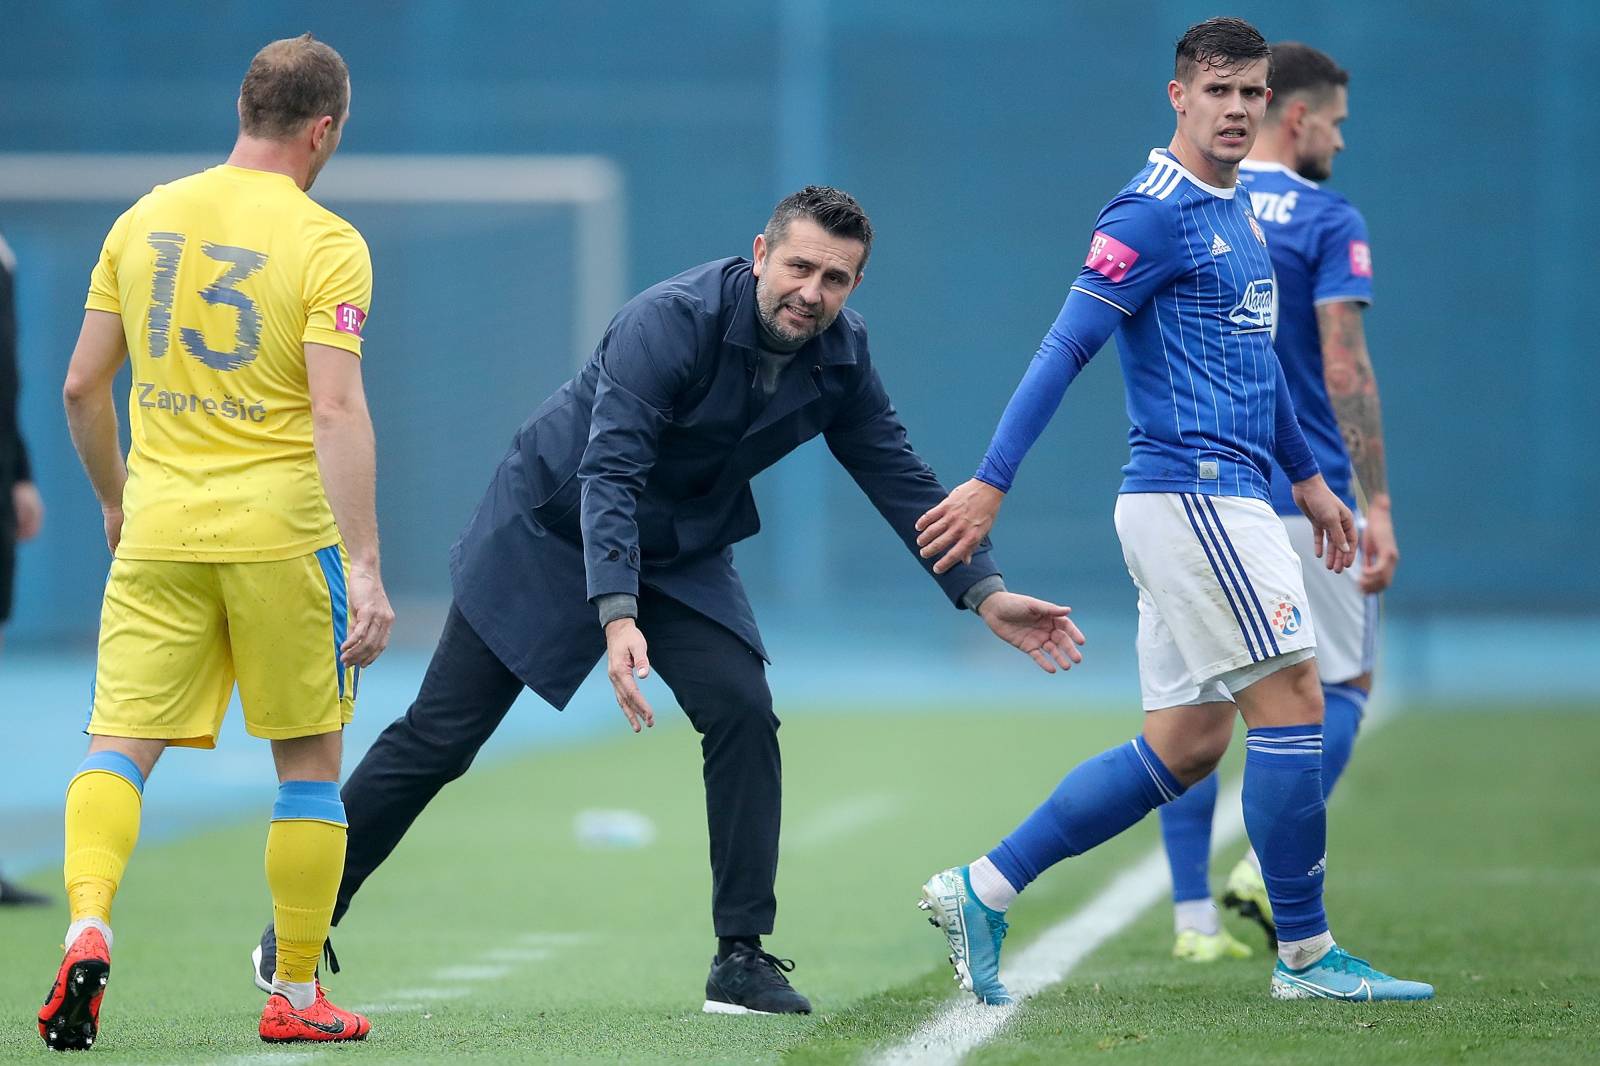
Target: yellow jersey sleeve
(338,290)
(103,292)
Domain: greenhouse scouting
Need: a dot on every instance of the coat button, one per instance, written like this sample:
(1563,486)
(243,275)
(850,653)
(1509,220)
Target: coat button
(633,555)
(613,555)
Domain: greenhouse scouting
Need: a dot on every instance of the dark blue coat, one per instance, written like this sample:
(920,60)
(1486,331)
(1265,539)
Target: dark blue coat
(637,471)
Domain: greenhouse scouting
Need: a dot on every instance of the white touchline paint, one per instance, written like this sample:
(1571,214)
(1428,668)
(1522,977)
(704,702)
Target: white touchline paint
(850,815)
(964,1024)
(471,973)
(518,954)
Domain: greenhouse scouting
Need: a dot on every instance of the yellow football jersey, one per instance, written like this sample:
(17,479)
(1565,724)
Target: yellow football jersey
(220,279)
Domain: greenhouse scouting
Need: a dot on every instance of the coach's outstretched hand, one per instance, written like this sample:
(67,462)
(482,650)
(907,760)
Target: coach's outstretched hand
(1037,627)
(958,524)
(627,660)
(371,618)
(1333,525)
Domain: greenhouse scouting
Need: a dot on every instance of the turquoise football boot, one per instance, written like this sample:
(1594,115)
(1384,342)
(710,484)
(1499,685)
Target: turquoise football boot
(973,930)
(1340,975)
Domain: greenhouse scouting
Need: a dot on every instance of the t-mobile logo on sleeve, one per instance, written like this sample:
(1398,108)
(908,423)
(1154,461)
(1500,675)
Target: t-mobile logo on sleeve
(348,318)
(1109,257)
(1360,259)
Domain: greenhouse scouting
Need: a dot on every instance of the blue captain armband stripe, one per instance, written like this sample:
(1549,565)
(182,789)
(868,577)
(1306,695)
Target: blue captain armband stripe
(114,762)
(316,801)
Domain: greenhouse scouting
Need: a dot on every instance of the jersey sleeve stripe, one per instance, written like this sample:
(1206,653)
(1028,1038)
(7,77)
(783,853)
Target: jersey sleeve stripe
(1102,299)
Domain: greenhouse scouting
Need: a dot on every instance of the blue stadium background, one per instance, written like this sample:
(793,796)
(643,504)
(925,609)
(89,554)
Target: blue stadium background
(982,138)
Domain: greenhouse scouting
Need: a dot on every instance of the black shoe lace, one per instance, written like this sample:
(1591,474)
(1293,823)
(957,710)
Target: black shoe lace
(329,957)
(774,969)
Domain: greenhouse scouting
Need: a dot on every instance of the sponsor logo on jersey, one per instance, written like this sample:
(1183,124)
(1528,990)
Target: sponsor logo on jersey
(1255,308)
(1109,257)
(1219,246)
(348,318)
(1360,259)
(1286,618)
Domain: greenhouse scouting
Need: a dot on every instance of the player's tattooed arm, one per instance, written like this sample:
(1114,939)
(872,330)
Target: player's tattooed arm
(1353,392)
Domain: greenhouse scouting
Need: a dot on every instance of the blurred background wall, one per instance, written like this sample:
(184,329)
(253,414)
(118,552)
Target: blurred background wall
(982,139)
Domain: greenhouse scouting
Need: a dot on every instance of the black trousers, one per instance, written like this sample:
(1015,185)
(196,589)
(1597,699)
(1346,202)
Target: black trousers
(718,681)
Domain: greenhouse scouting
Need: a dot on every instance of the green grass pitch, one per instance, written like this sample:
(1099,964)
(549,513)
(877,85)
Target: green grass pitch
(1463,852)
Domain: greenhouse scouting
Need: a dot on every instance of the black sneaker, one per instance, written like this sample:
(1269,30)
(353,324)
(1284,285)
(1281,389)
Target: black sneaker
(750,981)
(14,895)
(264,959)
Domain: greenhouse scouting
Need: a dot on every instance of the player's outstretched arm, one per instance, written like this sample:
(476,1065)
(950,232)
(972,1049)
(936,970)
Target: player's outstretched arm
(1353,391)
(92,413)
(342,431)
(1039,629)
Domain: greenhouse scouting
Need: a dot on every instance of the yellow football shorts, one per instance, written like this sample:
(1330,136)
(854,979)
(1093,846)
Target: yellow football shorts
(174,637)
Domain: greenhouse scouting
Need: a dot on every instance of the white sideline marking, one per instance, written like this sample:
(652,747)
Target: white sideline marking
(471,973)
(841,819)
(964,1024)
(554,939)
(945,1039)
(518,954)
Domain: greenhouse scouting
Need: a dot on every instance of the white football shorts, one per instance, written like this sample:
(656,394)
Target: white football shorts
(1347,618)
(1222,602)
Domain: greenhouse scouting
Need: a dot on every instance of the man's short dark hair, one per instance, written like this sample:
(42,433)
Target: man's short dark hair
(1299,69)
(1226,44)
(289,83)
(833,209)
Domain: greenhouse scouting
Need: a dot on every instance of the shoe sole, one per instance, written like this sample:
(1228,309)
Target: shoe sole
(1250,910)
(73,1027)
(1284,990)
(938,915)
(717,1006)
(255,971)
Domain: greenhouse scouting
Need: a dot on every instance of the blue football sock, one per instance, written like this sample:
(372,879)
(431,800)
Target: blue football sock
(1284,815)
(1186,831)
(1341,720)
(1100,798)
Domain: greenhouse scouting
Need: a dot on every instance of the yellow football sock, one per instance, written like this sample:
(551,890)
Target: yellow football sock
(305,859)
(102,827)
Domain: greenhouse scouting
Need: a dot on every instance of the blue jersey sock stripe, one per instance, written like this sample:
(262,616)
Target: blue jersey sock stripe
(338,603)
(113,762)
(1255,600)
(1167,784)
(1222,584)
(1235,574)
(316,801)
(1357,696)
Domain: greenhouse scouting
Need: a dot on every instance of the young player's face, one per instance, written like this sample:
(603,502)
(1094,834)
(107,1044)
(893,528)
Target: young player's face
(1220,109)
(1321,137)
(803,281)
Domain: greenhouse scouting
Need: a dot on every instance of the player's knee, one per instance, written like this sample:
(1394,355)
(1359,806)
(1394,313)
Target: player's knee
(1198,755)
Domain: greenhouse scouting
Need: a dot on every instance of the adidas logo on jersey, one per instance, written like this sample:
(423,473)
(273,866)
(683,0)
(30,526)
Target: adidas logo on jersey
(1218,245)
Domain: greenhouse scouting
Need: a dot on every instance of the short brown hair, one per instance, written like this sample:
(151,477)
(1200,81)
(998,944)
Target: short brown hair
(291,82)
(1300,70)
(1226,44)
(835,210)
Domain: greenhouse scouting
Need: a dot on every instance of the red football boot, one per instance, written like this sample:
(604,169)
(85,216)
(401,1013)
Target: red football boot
(281,1023)
(70,1017)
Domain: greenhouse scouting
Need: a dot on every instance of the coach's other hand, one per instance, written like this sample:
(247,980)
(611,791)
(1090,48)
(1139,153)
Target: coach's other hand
(1334,525)
(627,661)
(371,618)
(1037,627)
(958,524)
